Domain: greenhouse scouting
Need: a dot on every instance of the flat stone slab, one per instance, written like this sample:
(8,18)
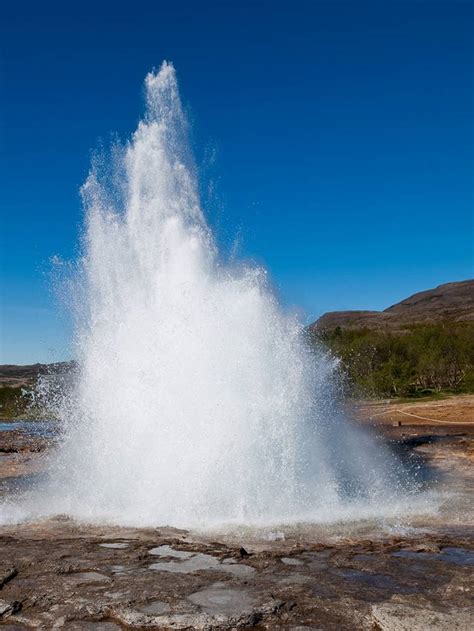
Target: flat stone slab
(168,551)
(458,556)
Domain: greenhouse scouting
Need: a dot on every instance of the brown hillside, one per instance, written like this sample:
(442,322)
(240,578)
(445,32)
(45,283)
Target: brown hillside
(452,301)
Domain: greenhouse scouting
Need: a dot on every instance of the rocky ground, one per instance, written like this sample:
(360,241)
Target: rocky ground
(61,574)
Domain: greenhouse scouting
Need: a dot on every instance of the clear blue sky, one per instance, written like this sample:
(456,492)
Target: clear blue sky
(342,132)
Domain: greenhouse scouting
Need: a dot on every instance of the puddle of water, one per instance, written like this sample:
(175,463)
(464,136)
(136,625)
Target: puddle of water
(224,601)
(198,563)
(291,561)
(155,608)
(411,554)
(168,551)
(114,546)
(376,581)
(42,429)
(194,562)
(363,557)
(458,556)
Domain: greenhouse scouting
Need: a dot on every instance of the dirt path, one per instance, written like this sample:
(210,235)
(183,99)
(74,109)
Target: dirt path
(455,410)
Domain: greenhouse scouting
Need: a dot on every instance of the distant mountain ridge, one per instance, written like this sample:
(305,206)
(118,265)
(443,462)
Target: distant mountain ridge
(14,376)
(451,301)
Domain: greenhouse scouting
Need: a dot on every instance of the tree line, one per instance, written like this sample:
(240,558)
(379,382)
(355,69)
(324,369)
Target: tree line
(414,361)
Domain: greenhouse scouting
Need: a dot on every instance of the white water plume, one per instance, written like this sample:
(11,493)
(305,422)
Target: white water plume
(197,401)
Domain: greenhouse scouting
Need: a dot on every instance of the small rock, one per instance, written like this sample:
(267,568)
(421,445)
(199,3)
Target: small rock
(7,609)
(243,553)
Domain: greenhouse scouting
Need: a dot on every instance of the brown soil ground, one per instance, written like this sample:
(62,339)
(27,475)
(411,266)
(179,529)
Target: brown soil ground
(457,410)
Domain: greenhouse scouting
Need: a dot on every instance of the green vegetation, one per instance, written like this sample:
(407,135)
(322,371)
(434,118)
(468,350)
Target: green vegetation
(12,402)
(419,360)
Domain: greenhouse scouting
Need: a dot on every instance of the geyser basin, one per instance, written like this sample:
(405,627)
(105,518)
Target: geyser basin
(197,401)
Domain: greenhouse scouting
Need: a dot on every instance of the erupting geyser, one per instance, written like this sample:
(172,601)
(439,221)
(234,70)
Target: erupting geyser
(196,401)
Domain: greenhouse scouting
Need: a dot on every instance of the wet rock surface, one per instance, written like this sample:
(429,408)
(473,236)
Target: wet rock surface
(65,577)
(61,574)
